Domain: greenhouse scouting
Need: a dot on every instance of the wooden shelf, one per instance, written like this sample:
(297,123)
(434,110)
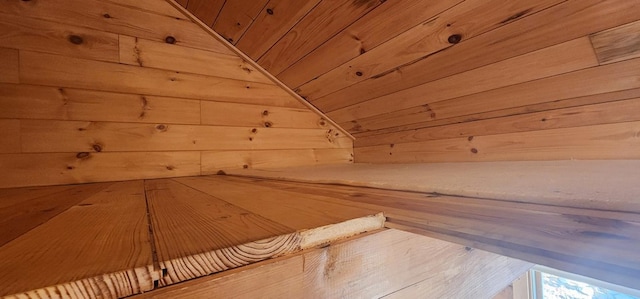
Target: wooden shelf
(124,238)
(578,216)
(607,185)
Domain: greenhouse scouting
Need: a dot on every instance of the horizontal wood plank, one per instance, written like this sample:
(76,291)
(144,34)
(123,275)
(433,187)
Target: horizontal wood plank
(73,168)
(24,33)
(216,161)
(419,43)
(129,19)
(502,43)
(74,136)
(61,71)
(233,114)
(18,101)
(141,52)
(610,141)
(558,104)
(93,252)
(28,208)
(10,60)
(617,44)
(613,112)
(10,136)
(563,58)
(362,36)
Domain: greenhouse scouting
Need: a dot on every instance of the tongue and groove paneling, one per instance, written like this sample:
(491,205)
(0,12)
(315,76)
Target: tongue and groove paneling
(408,67)
(111,90)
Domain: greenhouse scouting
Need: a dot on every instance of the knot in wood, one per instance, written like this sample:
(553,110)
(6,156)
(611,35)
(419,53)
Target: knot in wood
(170,40)
(75,39)
(454,39)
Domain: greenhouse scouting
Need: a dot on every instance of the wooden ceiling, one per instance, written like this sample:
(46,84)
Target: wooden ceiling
(392,71)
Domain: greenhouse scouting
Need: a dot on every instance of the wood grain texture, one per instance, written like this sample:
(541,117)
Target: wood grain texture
(136,51)
(10,66)
(374,265)
(543,182)
(325,20)
(415,45)
(23,209)
(92,252)
(612,112)
(206,10)
(73,136)
(559,59)
(547,106)
(216,161)
(52,70)
(515,38)
(609,141)
(18,101)
(268,28)
(235,18)
(617,44)
(10,136)
(246,115)
(362,36)
(541,233)
(130,19)
(72,168)
(24,33)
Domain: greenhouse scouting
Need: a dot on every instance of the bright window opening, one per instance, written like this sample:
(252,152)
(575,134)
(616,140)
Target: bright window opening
(547,283)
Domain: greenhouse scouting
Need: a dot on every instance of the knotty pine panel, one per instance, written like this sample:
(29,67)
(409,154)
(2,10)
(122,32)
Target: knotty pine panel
(235,18)
(205,10)
(10,136)
(462,22)
(600,142)
(234,114)
(563,58)
(25,33)
(40,102)
(362,36)
(54,70)
(130,19)
(273,22)
(557,24)
(215,161)
(73,168)
(73,136)
(141,52)
(325,20)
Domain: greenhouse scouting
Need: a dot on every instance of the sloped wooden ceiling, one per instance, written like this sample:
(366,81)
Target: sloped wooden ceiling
(454,80)
(97,90)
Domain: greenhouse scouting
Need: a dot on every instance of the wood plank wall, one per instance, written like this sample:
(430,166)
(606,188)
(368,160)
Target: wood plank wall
(452,80)
(113,90)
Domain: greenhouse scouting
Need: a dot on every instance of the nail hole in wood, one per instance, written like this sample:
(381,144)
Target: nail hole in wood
(270,11)
(75,39)
(82,155)
(97,147)
(170,40)
(245,166)
(267,124)
(474,150)
(265,113)
(359,74)
(107,16)
(161,127)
